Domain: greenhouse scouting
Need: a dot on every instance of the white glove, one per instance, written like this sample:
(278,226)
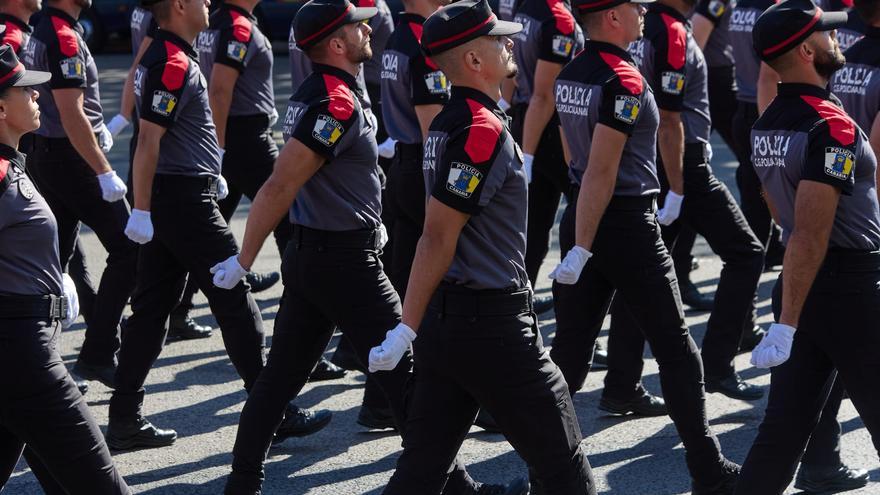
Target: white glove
(528,161)
(72,301)
(503,104)
(671,208)
(775,348)
(386,356)
(383,235)
(386,149)
(709,153)
(569,270)
(273,117)
(105,139)
(227,274)
(139,227)
(117,124)
(112,187)
(222,187)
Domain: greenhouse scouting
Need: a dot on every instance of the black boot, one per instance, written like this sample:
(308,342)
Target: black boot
(126,434)
(183,327)
(300,422)
(325,370)
(691,296)
(262,281)
(642,404)
(815,479)
(734,387)
(105,374)
(376,418)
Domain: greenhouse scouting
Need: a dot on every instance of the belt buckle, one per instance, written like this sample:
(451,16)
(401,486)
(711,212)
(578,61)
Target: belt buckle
(58,307)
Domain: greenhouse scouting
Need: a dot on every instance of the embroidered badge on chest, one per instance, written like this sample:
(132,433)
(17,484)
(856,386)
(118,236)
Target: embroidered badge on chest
(327,130)
(25,188)
(463,179)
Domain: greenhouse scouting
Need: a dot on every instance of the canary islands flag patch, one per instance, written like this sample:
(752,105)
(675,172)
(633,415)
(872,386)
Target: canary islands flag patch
(839,162)
(463,179)
(327,130)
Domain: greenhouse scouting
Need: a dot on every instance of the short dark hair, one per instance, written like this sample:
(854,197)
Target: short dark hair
(161,10)
(868,10)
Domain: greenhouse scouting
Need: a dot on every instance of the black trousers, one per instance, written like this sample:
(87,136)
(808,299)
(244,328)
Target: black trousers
(406,206)
(330,279)
(631,260)
(483,349)
(190,237)
(827,340)
(247,164)
(74,195)
(42,409)
(550,182)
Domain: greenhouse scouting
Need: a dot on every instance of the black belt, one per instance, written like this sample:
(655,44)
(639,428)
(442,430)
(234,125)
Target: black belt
(696,154)
(50,143)
(455,300)
(184,184)
(16,306)
(409,151)
(247,123)
(345,239)
(841,259)
(634,203)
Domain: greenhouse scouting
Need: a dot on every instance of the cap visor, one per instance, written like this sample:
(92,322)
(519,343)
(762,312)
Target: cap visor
(505,28)
(362,13)
(832,20)
(642,1)
(33,78)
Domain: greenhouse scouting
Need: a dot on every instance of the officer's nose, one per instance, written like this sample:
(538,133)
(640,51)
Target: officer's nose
(369,30)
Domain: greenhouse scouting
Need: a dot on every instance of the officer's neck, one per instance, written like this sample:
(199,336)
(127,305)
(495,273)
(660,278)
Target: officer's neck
(340,63)
(9,136)
(492,89)
(19,11)
(69,7)
(423,8)
(803,75)
(617,39)
(179,27)
(247,5)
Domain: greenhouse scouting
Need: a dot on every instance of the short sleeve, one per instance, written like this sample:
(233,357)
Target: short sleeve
(65,57)
(164,92)
(669,71)
(323,129)
(429,83)
(557,41)
(234,42)
(713,10)
(829,161)
(620,106)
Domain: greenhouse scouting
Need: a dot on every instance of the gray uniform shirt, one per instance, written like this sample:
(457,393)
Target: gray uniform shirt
(473,165)
(328,114)
(29,262)
(858,83)
(602,86)
(549,33)
(805,135)
(748,65)
(718,52)
(15,32)
(142,25)
(233,39)
(171,91)
(57,47)
(673,64)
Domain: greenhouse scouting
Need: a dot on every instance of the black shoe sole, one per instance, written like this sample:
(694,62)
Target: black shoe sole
(135,443)
(819,488)
(626,409)
(313,428)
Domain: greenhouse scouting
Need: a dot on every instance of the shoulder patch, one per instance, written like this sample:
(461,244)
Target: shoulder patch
(463,179)
(676,39)
(839,162)
(564,18)
(483,134)
(327,130)
(629,76)
(174,71)
(841,127)
(66,37)
(341,100)
(241,26)
(13,36)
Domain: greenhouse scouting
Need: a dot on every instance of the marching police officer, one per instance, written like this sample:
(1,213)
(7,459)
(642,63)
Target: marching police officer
(674,65)
(818,170)
(68,165)
(41,404)
(469,288)
(413,91)
(549,39)
(177,221)
(327,177)
(610,236)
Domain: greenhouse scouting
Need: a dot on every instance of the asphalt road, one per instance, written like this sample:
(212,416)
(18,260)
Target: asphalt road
(194,389)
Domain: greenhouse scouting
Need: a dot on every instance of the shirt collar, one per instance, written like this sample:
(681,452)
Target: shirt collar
(462,92)
(18,22)
(802,89)
(177,40)
(11,154)
(600,46)
(347,78)
(62,14)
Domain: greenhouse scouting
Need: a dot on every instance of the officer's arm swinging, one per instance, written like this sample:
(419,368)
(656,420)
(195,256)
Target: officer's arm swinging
(434,254)
(223,78)
(146,157)
(703,28)
(426,114)
(126,105)
(670,140)
(79,129)
(598,183)
(541,105)
(814,211)
(296,164)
